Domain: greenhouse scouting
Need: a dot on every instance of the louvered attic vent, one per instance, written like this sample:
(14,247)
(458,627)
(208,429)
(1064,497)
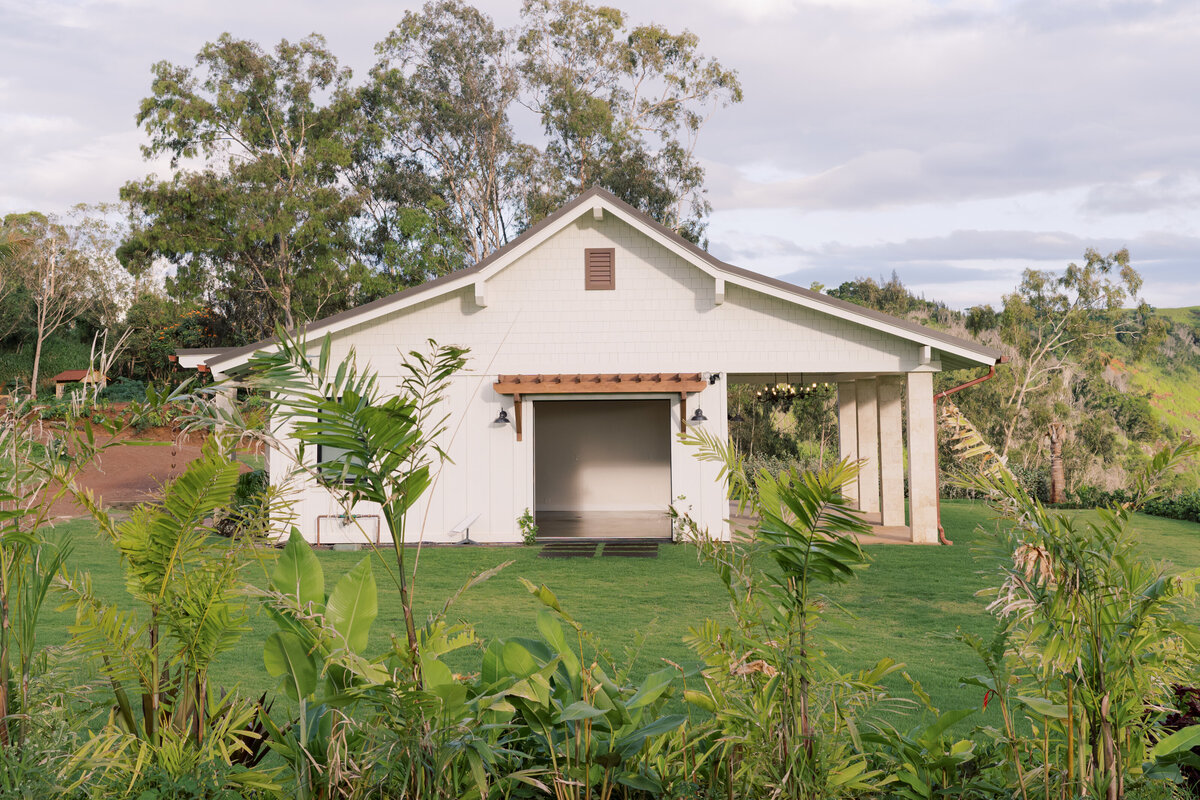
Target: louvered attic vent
(599,269)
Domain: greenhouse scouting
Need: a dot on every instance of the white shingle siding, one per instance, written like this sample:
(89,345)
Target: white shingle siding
(539,319)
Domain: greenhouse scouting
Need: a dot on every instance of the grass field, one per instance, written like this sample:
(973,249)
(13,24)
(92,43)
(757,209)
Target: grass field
(904,605)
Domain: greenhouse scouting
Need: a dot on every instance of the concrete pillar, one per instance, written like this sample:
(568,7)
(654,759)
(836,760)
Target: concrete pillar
(922,458)
(848,433)
(868,445)
(891,451)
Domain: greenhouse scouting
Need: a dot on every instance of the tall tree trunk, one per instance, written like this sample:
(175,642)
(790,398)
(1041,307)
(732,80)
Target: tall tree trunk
(37,362)
(1058,478)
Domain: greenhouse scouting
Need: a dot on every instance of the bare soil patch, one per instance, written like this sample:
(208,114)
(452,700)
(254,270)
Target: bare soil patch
(135,470)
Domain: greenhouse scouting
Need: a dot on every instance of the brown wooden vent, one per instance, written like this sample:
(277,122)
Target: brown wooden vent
(599,268)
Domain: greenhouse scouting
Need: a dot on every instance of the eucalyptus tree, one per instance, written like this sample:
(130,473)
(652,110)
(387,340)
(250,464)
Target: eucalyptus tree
(621,107)
(54,270)
(12,289)
(1052,319)
(256,217)
(441,144)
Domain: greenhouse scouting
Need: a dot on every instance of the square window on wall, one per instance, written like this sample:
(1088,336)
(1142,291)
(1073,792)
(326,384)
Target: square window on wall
(335,465)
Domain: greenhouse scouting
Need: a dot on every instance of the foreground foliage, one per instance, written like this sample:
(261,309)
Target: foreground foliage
(1090,638)
(1092,632)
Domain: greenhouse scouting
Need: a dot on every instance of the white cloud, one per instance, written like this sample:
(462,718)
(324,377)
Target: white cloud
(928,134)
(17,125)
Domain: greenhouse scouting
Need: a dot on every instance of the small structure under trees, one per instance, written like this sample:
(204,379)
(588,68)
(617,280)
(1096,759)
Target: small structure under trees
(83,377)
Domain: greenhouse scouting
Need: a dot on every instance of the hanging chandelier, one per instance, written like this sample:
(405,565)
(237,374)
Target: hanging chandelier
(783,393)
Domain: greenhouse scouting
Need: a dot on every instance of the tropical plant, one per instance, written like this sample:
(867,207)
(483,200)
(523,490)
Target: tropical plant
(788,717)
(1093,633)
(387,444)
(355,712)
(37,468)
(928,761)
(581,728)
(188,585)
(529,528)
(317,654)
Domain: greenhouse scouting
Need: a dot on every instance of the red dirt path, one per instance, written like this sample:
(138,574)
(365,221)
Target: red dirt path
(127,474)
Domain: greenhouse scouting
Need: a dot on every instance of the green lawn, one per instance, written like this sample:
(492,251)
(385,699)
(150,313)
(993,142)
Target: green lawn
(903,606)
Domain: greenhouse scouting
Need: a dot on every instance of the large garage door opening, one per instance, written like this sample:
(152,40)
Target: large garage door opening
(602,468)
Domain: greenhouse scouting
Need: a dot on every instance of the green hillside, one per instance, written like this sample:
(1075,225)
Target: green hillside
(1187,316)
(1174,394)
(1173,383)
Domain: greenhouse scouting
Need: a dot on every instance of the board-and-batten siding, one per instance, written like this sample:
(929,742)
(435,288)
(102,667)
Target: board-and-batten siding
(662,317)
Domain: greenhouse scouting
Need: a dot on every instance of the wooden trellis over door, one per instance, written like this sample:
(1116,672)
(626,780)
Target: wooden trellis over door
(681,383)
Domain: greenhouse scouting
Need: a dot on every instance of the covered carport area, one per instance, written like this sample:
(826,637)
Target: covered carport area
(886,422)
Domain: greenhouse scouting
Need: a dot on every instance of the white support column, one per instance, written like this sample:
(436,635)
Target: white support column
(868,445)
(848,433)
(891,451)
(922,458)
(226,402)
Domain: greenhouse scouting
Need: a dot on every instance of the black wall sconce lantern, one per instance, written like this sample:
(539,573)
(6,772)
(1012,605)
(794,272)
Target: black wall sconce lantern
(698,417)
(503,418)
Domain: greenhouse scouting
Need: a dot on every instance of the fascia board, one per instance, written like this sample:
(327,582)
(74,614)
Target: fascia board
(337,326)
(850,316)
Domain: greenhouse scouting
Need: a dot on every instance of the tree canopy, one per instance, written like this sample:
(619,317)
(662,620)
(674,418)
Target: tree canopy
(296,193)
(261,226)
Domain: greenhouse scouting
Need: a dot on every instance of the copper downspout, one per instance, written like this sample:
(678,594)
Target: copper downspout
(937,470)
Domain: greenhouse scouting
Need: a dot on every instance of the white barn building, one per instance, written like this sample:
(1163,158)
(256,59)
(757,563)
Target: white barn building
(600,335)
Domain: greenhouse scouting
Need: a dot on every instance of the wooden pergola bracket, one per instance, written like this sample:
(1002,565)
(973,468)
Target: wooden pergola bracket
(683,383)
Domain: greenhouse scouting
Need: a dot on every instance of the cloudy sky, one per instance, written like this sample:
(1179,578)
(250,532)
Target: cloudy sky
(953,142)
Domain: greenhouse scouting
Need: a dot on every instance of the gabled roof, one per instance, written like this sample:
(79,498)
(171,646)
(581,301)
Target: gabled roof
(963,350)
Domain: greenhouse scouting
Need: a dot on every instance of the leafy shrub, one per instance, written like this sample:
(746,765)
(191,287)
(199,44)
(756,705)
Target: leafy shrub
(1185,715)
(72,405)
(208,780)
(529,528)
(1182,506)
(124,390)
(245,501)
(149,418)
